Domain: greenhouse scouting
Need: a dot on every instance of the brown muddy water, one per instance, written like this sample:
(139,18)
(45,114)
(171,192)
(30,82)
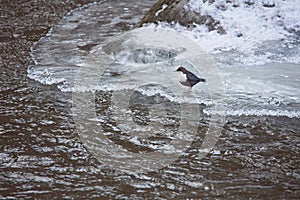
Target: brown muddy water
(42,156)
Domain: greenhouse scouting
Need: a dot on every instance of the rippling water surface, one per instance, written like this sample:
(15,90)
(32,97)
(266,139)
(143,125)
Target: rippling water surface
(43,156)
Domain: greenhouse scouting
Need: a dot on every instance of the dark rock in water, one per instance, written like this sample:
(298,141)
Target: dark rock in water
(86,47)
(268,3)
(175,11)
(239,34)
(249,2)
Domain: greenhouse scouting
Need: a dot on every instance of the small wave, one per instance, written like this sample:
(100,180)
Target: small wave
(145,56)
(258,112)
(44,76)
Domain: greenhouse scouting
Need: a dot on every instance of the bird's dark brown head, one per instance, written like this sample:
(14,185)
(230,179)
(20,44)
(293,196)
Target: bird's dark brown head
(182,69)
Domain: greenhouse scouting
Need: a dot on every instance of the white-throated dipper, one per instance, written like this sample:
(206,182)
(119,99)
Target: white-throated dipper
(191,79)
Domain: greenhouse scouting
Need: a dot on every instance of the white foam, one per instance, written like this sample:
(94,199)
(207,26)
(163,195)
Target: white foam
(44,77)
(257,112)
(247,29)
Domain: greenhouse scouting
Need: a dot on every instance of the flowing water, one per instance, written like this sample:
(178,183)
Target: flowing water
(61,135)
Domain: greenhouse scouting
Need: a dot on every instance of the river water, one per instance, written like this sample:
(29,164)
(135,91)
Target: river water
(50,150)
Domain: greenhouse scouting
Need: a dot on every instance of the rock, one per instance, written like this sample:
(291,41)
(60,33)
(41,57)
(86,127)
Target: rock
(268,3)
(175,11)
(249,2)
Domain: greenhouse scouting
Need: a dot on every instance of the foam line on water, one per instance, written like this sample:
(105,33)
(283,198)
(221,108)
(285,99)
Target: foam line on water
(258,112)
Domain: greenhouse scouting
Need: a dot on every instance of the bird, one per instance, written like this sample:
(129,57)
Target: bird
(191,79)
